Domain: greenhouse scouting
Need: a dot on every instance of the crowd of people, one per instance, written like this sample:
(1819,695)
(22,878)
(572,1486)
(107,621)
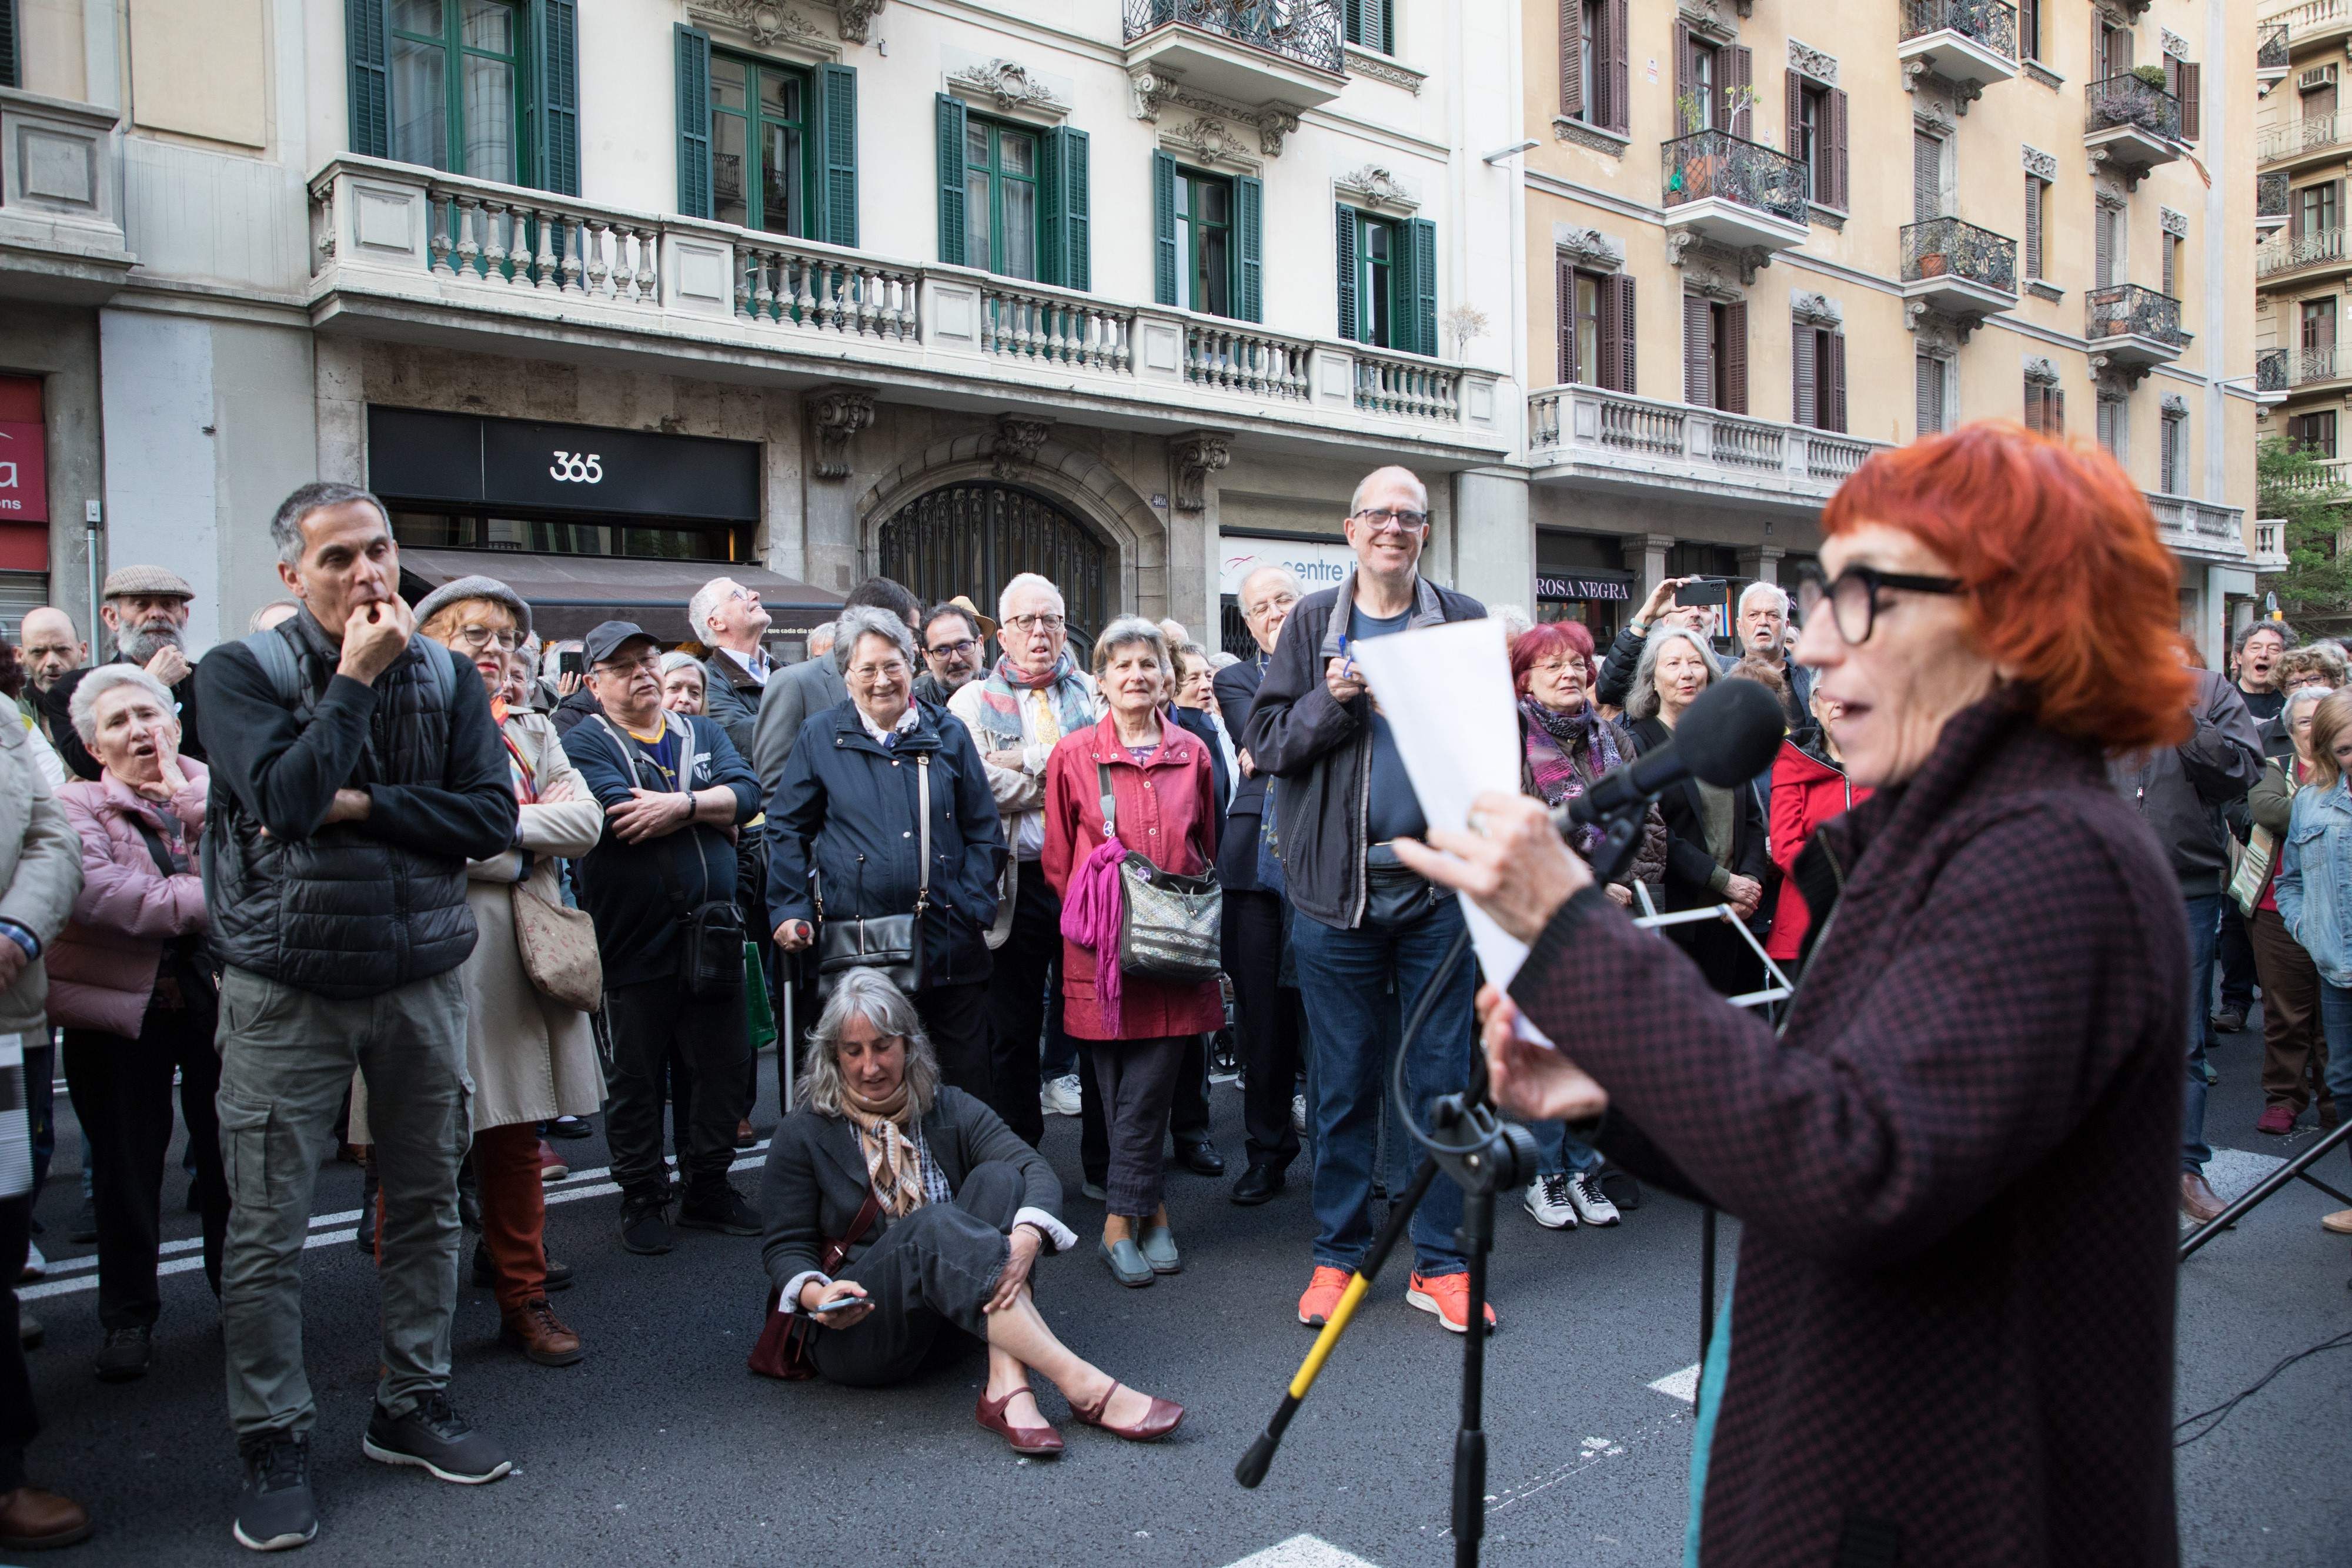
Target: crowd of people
(410,886)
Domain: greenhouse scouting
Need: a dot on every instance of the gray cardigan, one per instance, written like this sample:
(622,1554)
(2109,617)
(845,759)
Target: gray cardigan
(815,1183)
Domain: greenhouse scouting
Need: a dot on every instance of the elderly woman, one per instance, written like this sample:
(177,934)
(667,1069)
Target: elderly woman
(938,1211)
(1157,781)
(682,678)
(1809,786)
(533,1058)
(2294,1051)
(1715,850)
(884,811)
(1957,1161)
(129,981)
(1564,747)
(2315,899)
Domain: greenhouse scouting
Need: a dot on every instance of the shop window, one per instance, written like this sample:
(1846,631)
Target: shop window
(1208,233)
(1013,199)
(1388,281)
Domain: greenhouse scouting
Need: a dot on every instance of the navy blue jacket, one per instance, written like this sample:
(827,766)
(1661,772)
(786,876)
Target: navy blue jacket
(845,807)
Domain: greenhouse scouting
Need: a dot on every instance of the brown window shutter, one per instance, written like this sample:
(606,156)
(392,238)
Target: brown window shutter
(2102,248)
(1698,359)
(1571,55)
(2033,226)
(2033,406)
(2295,214)
(1735,358)
(1841,197)
(1792,120)
(2053,422)
(1619,28)
(1803,395)
(1686,71)
(2098,45)
(2192,95)
(1566,306)
(1833,379)
(1623,313)
(1609,364)
(1740,79)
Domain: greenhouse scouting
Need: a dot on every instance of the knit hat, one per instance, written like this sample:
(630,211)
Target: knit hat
(146,580)
(465,588)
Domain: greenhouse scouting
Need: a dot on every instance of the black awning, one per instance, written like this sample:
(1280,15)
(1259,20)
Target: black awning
(568,594)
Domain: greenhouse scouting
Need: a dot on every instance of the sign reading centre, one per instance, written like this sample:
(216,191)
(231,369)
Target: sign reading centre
(1313,562)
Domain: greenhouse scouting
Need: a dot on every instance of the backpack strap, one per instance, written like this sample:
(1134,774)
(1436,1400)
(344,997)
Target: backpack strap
(274,655)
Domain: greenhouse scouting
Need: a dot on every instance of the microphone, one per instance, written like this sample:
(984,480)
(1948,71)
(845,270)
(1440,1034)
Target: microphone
(1727,737)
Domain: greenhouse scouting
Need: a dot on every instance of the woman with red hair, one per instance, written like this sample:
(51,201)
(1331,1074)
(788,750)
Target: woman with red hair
(1951,1339)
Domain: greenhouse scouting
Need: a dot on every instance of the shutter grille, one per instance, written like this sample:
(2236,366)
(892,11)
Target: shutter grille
(2033,406)
(1803,382)
(693,122)
(1422,235)
(2171,266)
(1249,241)
(1833,380)
(2107,427)
(556,98)
(952,120)
(2054,419)
(1572,60)
(1067,252)
(1927,177)
(1618,80)
(1734,357)
(2103,247)
(1930,410)
(1698,359)
(2168,456)
(2033,225)
(1843,197)
(1623,313)
(1163,229)
(1739,75)
(1686,73)
(837,106)
(1564,278)
(11,73)
(1347,265)
(1792,126)
(2192,97)
(366,43)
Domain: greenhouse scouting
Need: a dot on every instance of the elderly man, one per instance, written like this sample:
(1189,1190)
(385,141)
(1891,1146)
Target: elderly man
(1035,694)
(2260,647)
(728,619)
(820,640)
(1764,634)
(144,610)
(954,642)
(51,647)
(1369,934)
(1265,1019)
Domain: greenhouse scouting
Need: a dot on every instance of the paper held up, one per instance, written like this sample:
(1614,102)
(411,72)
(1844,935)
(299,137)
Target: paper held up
(1446,691)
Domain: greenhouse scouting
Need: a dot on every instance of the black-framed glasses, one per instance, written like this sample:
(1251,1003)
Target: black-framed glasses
(1853,596)
(960,645)
(1402,519)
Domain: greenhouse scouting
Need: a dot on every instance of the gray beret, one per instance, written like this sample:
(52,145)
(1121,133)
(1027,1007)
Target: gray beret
(467,588)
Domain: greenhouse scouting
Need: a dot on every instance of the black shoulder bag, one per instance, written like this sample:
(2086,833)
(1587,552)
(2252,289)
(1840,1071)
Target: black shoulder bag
(890,943)
(710,934)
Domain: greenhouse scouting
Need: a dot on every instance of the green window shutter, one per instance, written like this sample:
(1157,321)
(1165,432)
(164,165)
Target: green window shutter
(1351,20)
(1053,235)
(1249,244)
(693,122)
(555,96)
(1420,299)
(1347,329)
(368,45)
(836,196)
(1163,228)
(952,120)
(1383,12)
(1068,252)
(11,73)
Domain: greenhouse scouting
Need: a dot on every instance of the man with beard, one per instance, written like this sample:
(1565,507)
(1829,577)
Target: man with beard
(50,645)
(144,610)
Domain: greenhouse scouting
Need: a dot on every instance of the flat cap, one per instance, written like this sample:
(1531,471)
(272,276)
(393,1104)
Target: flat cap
(151,580)
(459,589)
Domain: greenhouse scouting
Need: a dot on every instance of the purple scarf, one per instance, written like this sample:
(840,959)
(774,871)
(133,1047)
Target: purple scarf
(1552,741)
(1091,912)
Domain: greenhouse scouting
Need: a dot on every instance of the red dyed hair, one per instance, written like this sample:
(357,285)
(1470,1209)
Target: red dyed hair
(1549,640)
(2066,584)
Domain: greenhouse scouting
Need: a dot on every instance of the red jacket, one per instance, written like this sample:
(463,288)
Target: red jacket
(1806,792)
(1167,810)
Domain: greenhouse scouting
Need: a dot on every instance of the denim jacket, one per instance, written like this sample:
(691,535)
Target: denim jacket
(2314,877)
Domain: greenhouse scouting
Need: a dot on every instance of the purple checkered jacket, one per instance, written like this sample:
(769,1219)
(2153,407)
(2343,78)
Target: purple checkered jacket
(1956,1168)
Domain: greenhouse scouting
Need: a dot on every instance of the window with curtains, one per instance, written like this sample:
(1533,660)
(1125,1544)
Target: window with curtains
(2171,456)
(2045,407)
(1377,248)
(1000,210)
(1205,238)
(1714,353)
(1593,80)
(1013,199)
(1714,85)
(1596,328)
(2112,52)
(1699,110)
(2037,225)
(2314,433)
(2318,323)
(1208,231)
(1930,375)
(2175,247)
(1816,130)
(2314,208)
(1369,24)
(761,152)
(455,89)
(1388,281)
(2029,29)
(1817,378)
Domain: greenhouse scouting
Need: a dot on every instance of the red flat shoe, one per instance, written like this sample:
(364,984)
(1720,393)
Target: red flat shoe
(1157,1422)
(1032,1442)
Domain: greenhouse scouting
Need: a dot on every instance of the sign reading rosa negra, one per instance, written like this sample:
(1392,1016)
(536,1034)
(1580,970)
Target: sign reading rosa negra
(416,456)
(1582,586)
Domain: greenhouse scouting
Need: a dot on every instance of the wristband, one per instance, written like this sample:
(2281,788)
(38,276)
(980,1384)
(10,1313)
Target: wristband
(23,937)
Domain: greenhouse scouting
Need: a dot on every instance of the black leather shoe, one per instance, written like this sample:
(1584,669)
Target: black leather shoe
(1259,1184)
(1200,1158)
(126,1356)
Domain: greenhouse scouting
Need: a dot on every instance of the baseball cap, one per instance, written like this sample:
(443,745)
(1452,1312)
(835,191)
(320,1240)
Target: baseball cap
(606,640)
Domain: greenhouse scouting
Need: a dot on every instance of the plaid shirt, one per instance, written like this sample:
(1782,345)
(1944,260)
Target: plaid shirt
(1956,1167)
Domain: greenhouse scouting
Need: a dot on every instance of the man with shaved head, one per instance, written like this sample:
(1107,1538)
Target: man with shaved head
(50,645)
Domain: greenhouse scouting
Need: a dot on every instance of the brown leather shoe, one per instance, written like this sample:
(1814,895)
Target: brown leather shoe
(1158,1421)
(31,1520)
(2197,1199)
(540,1335)
(1034,1442)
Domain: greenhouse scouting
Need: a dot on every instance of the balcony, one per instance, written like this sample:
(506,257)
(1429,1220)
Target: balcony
(2271,51)
(1735,192)
(2314,138)
(2270,545)
(2271,371)
(1958,268)
(60,201)
(1639,446)
(2132,326)
(2200,530)
(2301,369)
(2311,252)
(1253,52)
(1973,42)
(2315,22)
(2271,198)
(2132,124)
(409,254)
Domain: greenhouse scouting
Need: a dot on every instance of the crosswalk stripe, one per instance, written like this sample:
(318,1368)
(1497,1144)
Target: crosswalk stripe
(1682,1386)
(1303,1551)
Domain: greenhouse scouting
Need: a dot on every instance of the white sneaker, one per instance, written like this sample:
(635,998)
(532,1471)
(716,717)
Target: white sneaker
(36,1266)
(1060,1095)
(1547,1199)
(1299,1114)
(1593,1205)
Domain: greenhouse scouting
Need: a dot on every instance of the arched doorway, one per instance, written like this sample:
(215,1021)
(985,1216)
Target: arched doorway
(974,537)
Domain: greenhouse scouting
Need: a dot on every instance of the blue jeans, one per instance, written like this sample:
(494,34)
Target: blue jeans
(1557,1154)
(1345,977)
(2335,1023)
(2204,942)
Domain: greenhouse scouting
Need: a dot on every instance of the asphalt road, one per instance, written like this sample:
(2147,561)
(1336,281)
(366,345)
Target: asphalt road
(661,1447)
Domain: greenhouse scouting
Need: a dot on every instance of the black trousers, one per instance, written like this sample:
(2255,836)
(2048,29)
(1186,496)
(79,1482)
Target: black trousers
(19,1423)
(121,1092)
(934,1269)
(1134,1080)
(2235,960)
(649,1021)
(956,1017)
(1266,1023)
(1188,1107)
(1016,1003)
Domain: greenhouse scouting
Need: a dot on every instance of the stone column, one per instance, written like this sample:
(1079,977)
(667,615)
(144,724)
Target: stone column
(1761,562)
(1493,539)
(1646,558)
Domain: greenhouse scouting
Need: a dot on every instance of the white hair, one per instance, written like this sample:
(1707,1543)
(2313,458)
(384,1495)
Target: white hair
(1517,621)
(2300,694)
(1356,501)
(1643,701)
(821,640)
(82,711)
(870,995)
(1028,579)
(1278,570)
(862,621)
(1760,586)
(674,660)
(1132,629)
(698,609)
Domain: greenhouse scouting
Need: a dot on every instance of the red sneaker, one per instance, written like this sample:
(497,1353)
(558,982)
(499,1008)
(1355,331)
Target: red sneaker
(2276,1119)
(551,1164)
(1448,1296)
(1322,1297)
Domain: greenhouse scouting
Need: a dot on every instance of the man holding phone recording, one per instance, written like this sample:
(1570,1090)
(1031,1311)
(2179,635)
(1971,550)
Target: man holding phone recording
(1684,602)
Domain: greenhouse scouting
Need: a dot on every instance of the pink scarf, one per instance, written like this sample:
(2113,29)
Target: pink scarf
(1091,912)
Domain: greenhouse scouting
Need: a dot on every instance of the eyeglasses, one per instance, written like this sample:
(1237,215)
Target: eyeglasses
(651,662)
(1556,668)
(1398,520)
(1264,607)
(1024,625)
(477,638)
(888,670)
(961,646)
(1853,597)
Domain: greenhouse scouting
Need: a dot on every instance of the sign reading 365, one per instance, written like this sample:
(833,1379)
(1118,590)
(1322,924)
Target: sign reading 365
(577,468)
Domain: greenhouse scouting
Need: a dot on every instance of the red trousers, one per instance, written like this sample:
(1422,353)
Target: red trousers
(514,1213)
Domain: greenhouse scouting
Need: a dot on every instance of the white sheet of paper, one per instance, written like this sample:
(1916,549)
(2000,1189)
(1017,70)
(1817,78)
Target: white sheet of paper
(1446,691)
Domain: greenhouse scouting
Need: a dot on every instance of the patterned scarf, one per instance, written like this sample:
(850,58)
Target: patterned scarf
(1004,695)
(1553,741)
(893,1156)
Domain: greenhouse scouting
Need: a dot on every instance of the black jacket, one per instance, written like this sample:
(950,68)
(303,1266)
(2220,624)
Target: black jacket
(354,909)
(1692,874)
(2180,792)
(845,807)
(1236,689)
(1204,730)
(1321,749)
(75,756)
(580,705)
(730,699)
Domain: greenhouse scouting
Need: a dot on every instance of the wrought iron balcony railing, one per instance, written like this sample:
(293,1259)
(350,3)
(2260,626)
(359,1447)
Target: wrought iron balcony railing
(1715,163)
(2312,133)
(2270,46)
(2127,100)
(2270,370)
(1946,247)
(2128,310)
(2271,196)
(2292,253)
(1991,23)
(1305,31)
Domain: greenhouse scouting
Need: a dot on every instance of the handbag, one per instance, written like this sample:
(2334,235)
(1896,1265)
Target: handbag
(890,943)
(558,945)
(783,1350)
(1168,923)
(1394,894)
(2250,862)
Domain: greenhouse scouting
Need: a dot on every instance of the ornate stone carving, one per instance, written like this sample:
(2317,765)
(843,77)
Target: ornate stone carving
(1589,249)
(1583,135)
(2172,222)
(1709,269)
(1373,186)
(1934,332)
(836,415)
(1146,89)
(1708,18)
(763,22)
(2036,71)
(1150,91)
(1273,123)
(2174,406)
(1209,141)
(1011,85)
(1197,456)
(2042,165)
(1965,93)
(1933,117)
(2040,370)
(1379,67)
(1818,64)
(1017,440)
(2108,200)
(2117,376)
(1816,310)
(856,18)
(2172,43)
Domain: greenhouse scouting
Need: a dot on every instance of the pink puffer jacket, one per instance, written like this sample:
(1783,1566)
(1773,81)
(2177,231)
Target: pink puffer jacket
(102,966)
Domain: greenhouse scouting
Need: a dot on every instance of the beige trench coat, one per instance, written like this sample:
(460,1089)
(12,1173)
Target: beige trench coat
(532,1058)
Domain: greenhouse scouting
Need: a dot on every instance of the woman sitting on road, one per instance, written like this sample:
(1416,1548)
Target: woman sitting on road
(963,1209)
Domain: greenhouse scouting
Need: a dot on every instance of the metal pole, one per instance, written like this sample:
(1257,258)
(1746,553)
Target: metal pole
(2296,1168)
(1706,1282)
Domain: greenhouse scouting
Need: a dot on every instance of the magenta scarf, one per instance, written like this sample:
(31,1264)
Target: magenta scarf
(1091,912)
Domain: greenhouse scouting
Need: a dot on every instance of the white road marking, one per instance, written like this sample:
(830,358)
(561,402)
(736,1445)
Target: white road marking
(1590,1452)
(2232,1173)
(1682,1386)
(1303,1551)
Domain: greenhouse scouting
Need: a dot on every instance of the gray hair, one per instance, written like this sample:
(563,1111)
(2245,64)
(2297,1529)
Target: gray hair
(867,993)
(293,606)
(82,710)
(1517,621)
(1760,586)
(861,621)
(1127,630)
(286,528)
(674,659)
(2287,710)
(823,632)
(1022,579)
(1643,701)
(1278,570)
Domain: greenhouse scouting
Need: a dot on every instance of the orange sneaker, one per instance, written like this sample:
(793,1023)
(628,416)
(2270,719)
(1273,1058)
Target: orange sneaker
(1322,1297)
(1448,1296)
